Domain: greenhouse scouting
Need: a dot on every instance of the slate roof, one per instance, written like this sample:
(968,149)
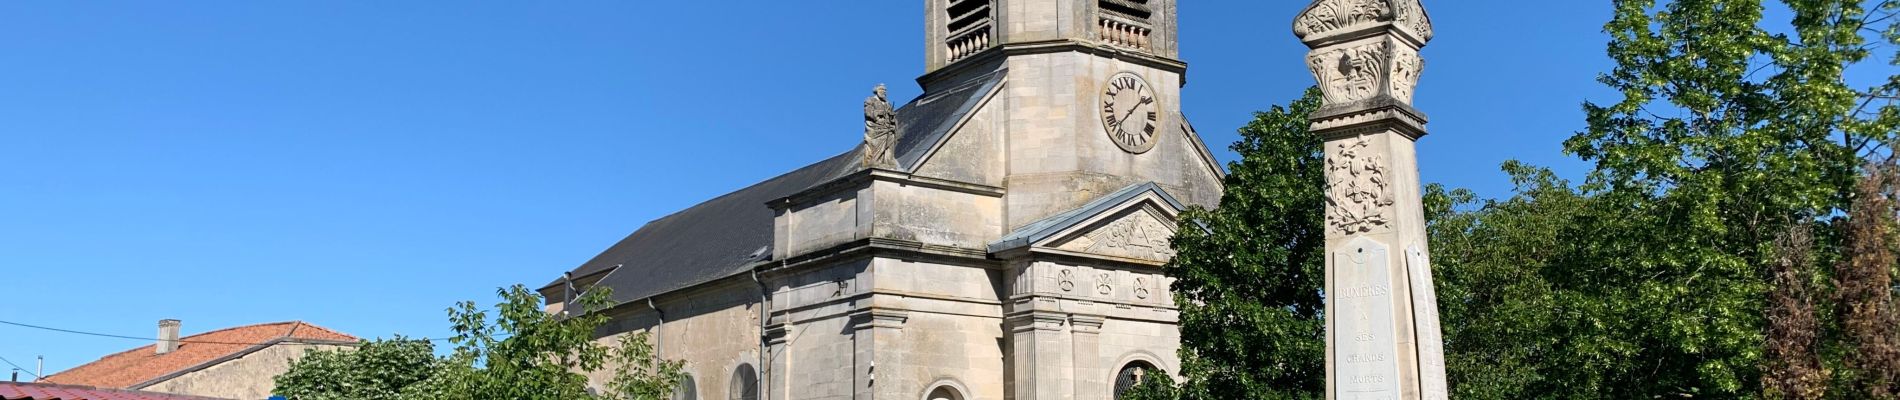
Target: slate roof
(47,391)
(729,234)
(1054,224)
(135,368)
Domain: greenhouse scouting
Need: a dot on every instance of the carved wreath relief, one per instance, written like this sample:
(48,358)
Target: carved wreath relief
(1103,284)
(1358,193)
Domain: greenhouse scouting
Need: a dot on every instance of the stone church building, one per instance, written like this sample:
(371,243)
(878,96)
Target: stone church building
(1002,236)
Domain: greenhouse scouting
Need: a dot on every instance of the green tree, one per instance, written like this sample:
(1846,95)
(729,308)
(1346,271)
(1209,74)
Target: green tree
(374,370)
(1728,136)
(522,352)
(1248,274)
(1497,308)
(640,373)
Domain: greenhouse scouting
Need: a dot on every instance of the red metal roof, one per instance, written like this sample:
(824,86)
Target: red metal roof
(48,391)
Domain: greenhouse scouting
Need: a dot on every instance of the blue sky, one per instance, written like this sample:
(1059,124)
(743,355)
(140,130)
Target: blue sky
(362,165)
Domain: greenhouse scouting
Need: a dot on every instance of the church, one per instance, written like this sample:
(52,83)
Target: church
(1001,236)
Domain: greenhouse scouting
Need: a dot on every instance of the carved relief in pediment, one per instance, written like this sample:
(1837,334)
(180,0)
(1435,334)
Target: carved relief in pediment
(1137,234)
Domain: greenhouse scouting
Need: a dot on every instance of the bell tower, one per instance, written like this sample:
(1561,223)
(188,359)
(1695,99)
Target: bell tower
(1084,135)
(961,29)
(1091,101)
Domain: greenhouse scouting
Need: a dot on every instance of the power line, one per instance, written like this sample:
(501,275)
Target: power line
(290,341)
(17,367)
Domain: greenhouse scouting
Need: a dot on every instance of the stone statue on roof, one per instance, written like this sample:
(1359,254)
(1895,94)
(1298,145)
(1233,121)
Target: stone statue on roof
(880,130)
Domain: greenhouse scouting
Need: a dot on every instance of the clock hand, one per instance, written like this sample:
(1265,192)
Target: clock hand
(1137,107)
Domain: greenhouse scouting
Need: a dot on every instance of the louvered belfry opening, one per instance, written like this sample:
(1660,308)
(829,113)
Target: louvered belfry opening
(971,26)
(1126,23)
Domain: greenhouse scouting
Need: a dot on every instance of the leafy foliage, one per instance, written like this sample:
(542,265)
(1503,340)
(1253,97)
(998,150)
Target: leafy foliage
(640,373)
(1728,136)
(375,370)
(522,353)
(1248,280)
(1496,305)
(1155,387)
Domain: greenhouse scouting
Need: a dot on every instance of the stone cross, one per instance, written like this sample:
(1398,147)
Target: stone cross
(1383,339)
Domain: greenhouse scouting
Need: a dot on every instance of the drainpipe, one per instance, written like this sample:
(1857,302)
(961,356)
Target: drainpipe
(658,336)
(567,293)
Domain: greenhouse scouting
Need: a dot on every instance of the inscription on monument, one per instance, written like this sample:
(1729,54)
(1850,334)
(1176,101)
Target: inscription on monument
(1365,358)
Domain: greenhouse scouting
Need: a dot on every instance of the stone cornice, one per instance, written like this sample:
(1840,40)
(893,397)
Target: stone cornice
(868,247)
(987,60)
(857,180)
(1368,116)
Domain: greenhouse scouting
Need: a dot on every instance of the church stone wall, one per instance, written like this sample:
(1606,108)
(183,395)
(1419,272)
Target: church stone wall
(821,223)
(974,152)
(813,354)
(936,216)
(892,210)
(952,331)
(714,329)
(1060,157)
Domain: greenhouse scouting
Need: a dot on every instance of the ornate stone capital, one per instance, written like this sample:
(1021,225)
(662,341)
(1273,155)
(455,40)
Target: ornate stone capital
(1380,69)
(1329,21)
(1365,52)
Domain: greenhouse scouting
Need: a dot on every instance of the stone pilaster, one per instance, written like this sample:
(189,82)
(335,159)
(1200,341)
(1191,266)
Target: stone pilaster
(777,363)
(870,327)
(1091,377)
(1040,355)
(1382,331)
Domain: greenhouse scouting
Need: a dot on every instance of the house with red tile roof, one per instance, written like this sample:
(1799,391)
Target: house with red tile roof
(234,363)
(48,391)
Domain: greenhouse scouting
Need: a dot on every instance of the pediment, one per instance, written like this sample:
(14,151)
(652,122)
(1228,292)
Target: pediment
(1140,233)
(1133,224)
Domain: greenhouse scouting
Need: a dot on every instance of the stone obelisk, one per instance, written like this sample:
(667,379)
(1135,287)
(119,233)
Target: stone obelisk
(1382,334)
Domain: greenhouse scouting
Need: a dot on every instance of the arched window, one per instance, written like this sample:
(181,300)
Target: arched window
(745,383)
(1132,375)
(944,393)
(687,390)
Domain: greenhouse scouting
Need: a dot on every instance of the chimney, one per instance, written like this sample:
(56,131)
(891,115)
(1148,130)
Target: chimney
(167,335)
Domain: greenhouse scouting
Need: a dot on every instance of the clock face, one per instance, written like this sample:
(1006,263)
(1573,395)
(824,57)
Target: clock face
(1130,113)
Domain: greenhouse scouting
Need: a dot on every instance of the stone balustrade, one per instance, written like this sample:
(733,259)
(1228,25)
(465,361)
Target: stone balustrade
(1115,32)
(968,43)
